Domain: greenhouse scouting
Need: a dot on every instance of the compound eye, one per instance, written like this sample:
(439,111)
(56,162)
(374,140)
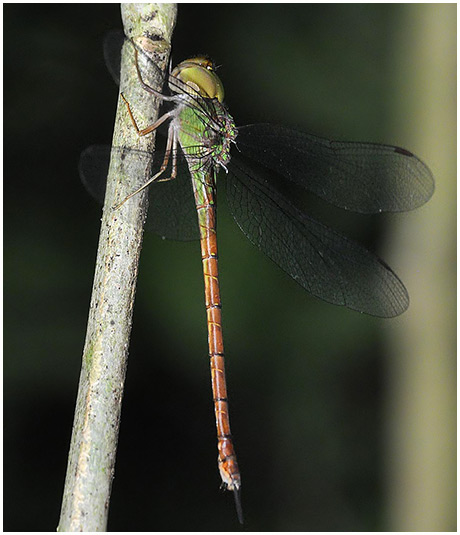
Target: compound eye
(199,74)
(202,61)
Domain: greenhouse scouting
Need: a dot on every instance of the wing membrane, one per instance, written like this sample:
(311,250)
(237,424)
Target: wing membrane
(113,43)
(362,177)
(172,212)
(327,264)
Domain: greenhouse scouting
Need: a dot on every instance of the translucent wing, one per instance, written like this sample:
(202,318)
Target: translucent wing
(171,213)
(327,264)
(362,177)
(113,43)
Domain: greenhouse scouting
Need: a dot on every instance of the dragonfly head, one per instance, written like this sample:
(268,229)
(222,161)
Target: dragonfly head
(199,74)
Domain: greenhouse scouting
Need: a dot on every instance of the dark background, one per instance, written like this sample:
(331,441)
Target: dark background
(307,380)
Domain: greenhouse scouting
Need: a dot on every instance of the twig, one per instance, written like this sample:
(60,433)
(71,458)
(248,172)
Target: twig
(90,468)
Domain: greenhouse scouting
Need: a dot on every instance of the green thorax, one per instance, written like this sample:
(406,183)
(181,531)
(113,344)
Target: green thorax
(204,128)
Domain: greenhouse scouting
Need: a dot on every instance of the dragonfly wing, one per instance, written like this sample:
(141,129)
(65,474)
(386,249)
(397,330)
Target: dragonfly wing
(93,168)
(362,177)
(113,43)
(327,264)
(172,212)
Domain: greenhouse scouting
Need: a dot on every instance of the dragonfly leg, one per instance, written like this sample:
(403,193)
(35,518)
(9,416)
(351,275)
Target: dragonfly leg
(150,128)
(171,145)
(146,86)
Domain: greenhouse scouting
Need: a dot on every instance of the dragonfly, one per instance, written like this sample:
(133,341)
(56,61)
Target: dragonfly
(257,162)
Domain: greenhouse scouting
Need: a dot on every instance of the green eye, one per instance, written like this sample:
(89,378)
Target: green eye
(199,73)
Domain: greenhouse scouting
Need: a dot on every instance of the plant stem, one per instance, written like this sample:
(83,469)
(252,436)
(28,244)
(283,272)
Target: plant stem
(91,461)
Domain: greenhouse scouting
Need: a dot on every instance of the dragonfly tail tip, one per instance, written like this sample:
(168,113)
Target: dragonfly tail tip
(239,508)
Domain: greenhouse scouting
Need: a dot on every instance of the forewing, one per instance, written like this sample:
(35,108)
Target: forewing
(327,264)
(362,177)
(113,43)
(172,212)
